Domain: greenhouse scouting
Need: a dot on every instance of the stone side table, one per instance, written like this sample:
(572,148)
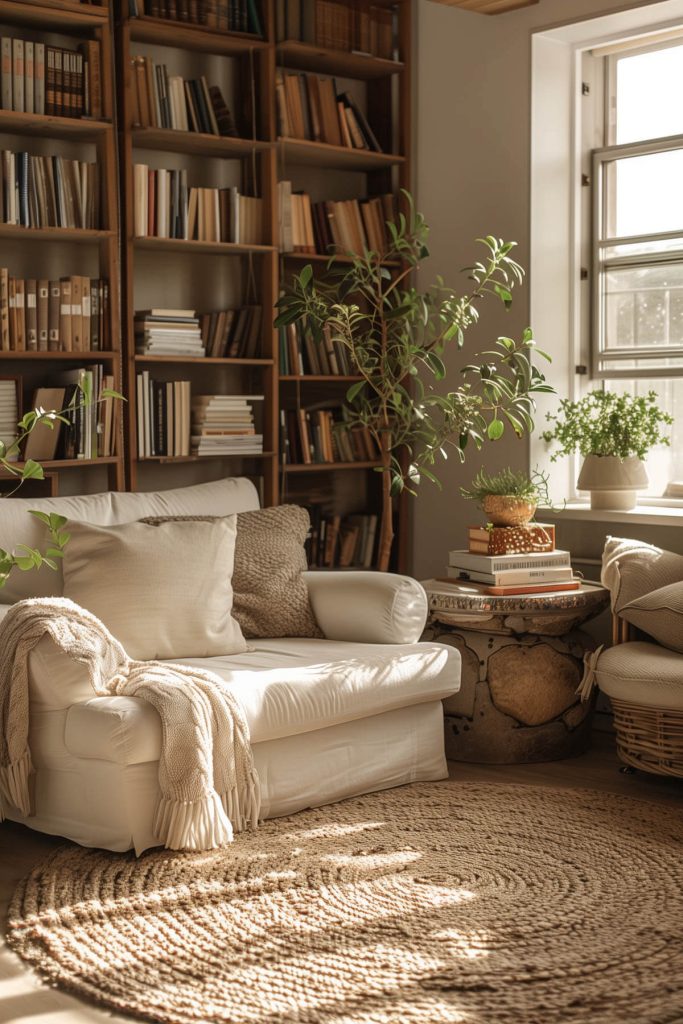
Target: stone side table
(522,660)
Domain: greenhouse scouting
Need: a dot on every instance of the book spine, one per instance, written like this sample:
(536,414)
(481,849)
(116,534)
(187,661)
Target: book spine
(18,75)
(29,82)
(6,72)
(39,75)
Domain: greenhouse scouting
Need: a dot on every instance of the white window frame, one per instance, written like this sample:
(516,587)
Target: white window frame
(558,204)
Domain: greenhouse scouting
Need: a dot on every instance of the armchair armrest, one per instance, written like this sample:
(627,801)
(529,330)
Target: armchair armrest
(368,607)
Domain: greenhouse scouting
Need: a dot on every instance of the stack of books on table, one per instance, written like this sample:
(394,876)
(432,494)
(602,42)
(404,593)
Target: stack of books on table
(502,575)
(224,425)
(168,332)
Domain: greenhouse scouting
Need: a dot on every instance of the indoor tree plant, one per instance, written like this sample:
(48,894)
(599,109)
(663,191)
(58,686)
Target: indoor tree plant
(613,433)
(510,497)
(396,334)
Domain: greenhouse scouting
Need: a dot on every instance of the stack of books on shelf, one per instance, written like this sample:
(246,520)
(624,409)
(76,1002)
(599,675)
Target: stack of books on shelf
(223,15)
(232,333)
(9,412)
(323,436)
(510,574)
(40,79)
(163,417)
(301,354)
(161,100)
(342,226)
(352,25)
(224,425)
(48,191)
(341,542)
(168,332)
(89,432)
(166,207)
(66,315)
(309,107)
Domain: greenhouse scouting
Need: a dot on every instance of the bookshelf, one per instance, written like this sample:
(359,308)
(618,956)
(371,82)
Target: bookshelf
(381,88)
(49,253)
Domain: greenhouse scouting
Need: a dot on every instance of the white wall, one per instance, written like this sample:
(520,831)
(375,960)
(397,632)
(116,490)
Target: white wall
(472,174)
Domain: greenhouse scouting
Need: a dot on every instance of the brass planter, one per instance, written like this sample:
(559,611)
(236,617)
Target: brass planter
(508,510)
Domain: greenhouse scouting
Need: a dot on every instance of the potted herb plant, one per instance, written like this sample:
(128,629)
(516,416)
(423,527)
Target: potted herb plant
(614,433)
(508,498)
(395,334)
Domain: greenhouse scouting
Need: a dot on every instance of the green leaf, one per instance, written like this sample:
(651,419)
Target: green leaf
(496,428)
(110,393)
(354,391)
(306,275)
(436,365)
(42,516)
(32,471)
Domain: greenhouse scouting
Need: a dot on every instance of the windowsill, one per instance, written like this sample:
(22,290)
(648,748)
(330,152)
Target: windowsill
(662,515)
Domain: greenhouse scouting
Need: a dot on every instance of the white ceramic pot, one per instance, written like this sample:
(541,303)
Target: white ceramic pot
(613,482)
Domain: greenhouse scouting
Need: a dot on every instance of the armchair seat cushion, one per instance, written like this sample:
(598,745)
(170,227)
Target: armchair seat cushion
(286,687)
(642,673)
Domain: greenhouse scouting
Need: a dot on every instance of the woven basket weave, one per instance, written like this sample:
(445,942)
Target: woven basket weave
(649,738)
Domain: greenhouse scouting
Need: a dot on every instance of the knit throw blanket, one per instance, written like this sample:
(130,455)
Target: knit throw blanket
(208,782)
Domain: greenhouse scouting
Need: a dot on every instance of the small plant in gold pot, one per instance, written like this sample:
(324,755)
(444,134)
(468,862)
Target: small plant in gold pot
(508,498)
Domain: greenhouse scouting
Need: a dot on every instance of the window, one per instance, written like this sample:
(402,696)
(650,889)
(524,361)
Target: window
(637,240)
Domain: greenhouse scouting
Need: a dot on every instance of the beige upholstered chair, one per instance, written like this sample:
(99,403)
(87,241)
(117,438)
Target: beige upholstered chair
(642,673)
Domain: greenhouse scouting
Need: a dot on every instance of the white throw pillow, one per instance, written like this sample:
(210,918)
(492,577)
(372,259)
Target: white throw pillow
(660,614)
(163,591)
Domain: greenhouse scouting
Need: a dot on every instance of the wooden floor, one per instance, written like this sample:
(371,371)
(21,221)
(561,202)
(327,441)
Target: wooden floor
(25,1001)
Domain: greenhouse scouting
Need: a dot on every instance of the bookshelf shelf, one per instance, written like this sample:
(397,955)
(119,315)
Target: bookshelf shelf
(322,154)
(69,463)
(186,36)
(327,467)
(82,236)
(49,126)
(193,246)
(62,357)
(53,14)
(319,377)
(317,257)
(206,458)
(206,360)
(197,143)
(294,55)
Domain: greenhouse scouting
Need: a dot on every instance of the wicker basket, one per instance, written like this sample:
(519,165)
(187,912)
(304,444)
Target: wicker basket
(649,738)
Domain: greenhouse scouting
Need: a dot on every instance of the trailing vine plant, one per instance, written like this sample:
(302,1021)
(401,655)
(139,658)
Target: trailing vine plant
(396,337)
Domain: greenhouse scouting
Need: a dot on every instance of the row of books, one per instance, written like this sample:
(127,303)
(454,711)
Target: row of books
(232,333)
(301,354)
(9,413)
(48,191)
(89,432)
(66,315)
(223,15)
(323,436)
(341,542)
(167,207)
(514,573)
(352,25)
(224,425)
(161,100)
(40,79)
(342,226)
(309,107)
(163,417)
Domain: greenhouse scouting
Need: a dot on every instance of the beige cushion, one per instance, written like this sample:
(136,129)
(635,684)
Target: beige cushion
(164,592)
(271,596)
(660,614)
(632,568)
(642,673)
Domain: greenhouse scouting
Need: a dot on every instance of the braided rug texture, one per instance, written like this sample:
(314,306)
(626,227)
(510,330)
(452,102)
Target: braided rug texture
(437,902)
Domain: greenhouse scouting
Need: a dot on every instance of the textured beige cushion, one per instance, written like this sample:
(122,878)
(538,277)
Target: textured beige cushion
(642,673)
(632,568)
(271,596)
(660,614)
(163,592)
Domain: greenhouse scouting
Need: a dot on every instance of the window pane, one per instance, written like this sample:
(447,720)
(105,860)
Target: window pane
(665,464)
(643,306)
(643,194)
(649,88)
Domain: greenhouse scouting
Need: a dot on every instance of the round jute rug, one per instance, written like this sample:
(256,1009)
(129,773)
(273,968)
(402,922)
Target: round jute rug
(437,902)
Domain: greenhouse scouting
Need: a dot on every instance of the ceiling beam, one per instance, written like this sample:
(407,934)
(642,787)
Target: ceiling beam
(488,6)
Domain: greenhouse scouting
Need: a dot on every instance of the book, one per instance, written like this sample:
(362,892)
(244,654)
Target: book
(507,563)
(41,443)
(519,540)
(512,577)
(512,590)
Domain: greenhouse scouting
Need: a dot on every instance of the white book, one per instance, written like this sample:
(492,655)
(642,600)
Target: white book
(502,563)
(6,72)
(141,190)
(557,574)
(29,82)
(39,78)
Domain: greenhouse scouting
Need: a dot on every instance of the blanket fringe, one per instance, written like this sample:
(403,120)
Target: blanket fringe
(193,825)
(14,784)
(243,807)
(590,662)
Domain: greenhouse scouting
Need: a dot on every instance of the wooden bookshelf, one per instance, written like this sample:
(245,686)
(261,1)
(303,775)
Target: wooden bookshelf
(66,23)
(231,160)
